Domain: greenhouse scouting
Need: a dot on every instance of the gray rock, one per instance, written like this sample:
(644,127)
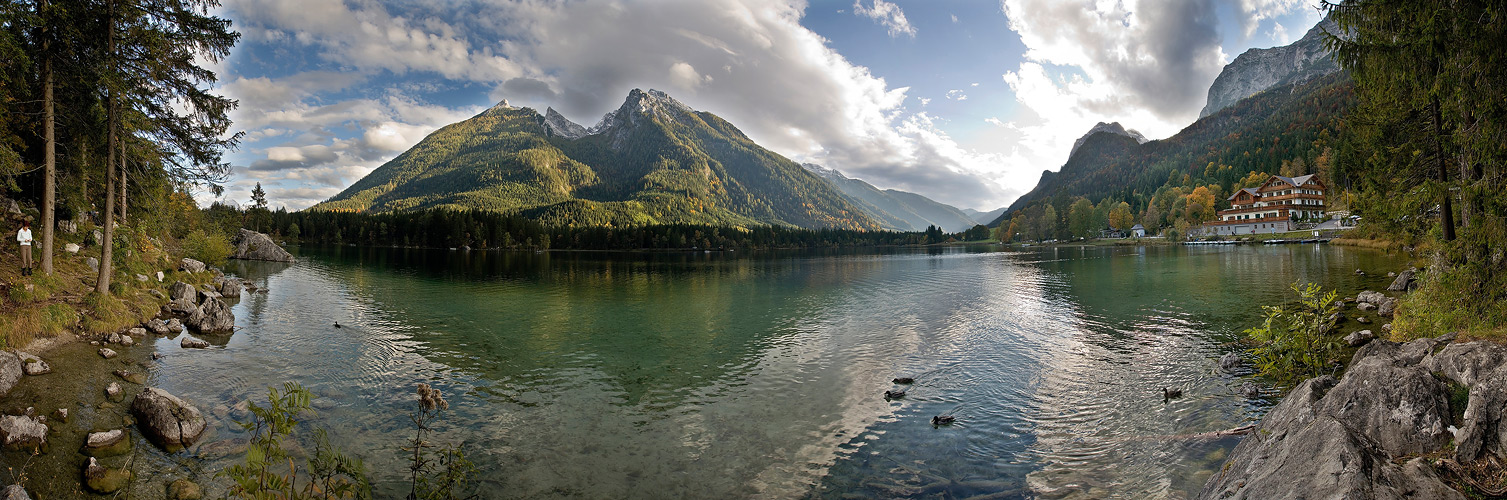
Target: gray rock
(60,415)
(112,391)
(1466,363)
(104,439)
(137,331)
(193,343)
(1337,318)
(182,291)
(166,420)
(106,353)
(251,245)
(1250,390)
(1387,307)
(1359,338)
(174,326)
(191,265)
(214,317)
(182,307)
(113,338)
(230,289)
(142,278)
(157,326)
(1366,306)
(1230,361)
(71,248)
(93,264)
(14,492)
(1483,429)
(11,371)
(1370,297)
(21,431)
(33,365)
(160,276)
(1403,283)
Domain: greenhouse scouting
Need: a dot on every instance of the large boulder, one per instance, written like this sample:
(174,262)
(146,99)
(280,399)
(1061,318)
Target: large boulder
(21,431)
(1403,283)
(191,265)
(10,371)
(182,291)
(166,420)
(251,245)
(213,317)
(230,288)
(14,492)
(33,365)
(1370,297)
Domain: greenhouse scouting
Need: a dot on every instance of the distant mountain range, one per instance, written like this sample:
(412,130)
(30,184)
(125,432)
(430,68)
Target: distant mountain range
(652,161)
(1260,69)
(896,210)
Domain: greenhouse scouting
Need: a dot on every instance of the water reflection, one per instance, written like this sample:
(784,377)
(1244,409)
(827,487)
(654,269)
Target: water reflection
(760,375)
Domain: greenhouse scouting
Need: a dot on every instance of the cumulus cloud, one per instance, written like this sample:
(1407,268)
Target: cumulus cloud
(957,95)
(1252,12)
(1279,33)
(889,15)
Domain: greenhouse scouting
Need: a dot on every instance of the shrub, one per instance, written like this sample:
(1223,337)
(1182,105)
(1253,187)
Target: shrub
(445,473)
(1296,341)
(329,474)
(209,248)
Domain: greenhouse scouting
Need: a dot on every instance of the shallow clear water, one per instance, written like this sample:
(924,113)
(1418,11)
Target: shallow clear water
(725,375)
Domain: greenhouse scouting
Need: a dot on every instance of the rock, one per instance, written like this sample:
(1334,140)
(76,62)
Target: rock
(1257,70)
(127,340)
(157,326)
(21,431)
(71,248)
(113,338)
(1363,320)
(142,278)
(174,326)
(106,352)
(1403,283)
(1483,429)
(1250,390)
(214,317)
(193,343)
(1337,318)
(93,264)
(168,421)
(1366,306)
(1403,410)
(132,377)
(230,289)
(157,293)
(1467,363)
(160,276)
(156,355)
(33,365)
(251,245)
(1387,328)
(191,265)
(96,237)
(113,391)
(1230,361)
(107,444)
(137,331)
(1387,307)
(11,371)
(1340,304)
(14,492)
(1359,338)
(182,291)
(1358,271)
(184,489)
(103,480)
(60,415)
(1370,297)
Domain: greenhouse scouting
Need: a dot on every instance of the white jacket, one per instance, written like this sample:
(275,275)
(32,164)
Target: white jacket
(24,236)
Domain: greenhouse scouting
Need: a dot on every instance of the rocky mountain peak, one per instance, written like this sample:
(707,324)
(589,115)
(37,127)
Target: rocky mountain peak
(556,124)
(1260,69)
(1110,128)
(824,172)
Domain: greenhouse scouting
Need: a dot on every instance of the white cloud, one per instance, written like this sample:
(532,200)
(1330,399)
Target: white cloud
(957,95)
(1252,12)
(887,14)
(1279,34)
(994,121)
(954,18)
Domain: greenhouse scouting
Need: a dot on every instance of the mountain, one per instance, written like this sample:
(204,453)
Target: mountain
(1254,135)
(895,210)
(984,217)
(1108,128)
(1261,69)
(653,160)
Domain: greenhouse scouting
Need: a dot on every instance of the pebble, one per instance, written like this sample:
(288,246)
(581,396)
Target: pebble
(107,353)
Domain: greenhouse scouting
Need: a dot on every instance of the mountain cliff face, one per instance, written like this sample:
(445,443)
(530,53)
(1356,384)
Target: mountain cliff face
(895,210)
(1260,69)
(653,160)
(1109,128)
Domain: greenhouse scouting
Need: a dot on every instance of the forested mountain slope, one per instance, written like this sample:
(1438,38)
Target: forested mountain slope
(894,209)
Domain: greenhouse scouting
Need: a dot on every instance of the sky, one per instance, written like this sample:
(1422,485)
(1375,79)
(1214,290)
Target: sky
(965,102)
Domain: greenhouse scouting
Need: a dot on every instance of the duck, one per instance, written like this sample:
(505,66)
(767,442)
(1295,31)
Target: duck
(1169,393)
(337,324)
(888,395)
(904,380)
(943,420)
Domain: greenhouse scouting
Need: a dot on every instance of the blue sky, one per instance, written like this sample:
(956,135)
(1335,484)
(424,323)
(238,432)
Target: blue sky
(965,102)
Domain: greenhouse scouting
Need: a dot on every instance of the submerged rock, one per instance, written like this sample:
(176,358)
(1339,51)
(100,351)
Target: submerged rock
(104,480)
(107,444)
(251,245)
(168,421)
(193,343)
(22,431)
(1230,361)
(183,489)
(106,353)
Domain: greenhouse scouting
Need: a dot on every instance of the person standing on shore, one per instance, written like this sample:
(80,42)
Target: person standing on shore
(24,238)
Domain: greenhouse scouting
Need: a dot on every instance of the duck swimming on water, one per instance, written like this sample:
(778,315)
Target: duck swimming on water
(888,395)
(1169,394)
(904,380)
(337,324)
(943,420)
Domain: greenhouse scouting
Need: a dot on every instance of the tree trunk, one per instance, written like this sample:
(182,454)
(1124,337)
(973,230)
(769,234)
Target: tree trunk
(102,285)
(1446,211)
(123,181)
(49,155)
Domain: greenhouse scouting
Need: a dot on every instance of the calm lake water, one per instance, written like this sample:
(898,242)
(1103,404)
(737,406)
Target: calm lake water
(728,375)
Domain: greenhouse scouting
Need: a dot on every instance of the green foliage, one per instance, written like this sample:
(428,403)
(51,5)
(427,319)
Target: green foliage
(34,288)
(329,474)
(210,248)
(1297,341)
(445,473)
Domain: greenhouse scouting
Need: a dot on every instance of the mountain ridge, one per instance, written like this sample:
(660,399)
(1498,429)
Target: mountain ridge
(1257,70)
(894,209)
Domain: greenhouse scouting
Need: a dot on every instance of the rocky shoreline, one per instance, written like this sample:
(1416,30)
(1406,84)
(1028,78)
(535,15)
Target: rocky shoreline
(77,406)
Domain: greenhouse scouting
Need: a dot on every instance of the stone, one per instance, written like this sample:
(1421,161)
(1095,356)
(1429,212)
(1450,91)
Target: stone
(93,264)
(71,248)
(1358,271)
(113,391)
(1403,410)
(214,317)
(113,338)
(160,276)
(22,431)
(142,278)
(182,291)
(132,377)
(169,422)
(1230,361)
(104,480)
(230,289)
(106,352)
(137,331)
(1359,338)
(1403,283)
(156,355)
(127,340)
(190,265)
(60,415)
(251,245)
(183,489)
(14,492)
(1337,318)
(11,371)
(193,343)
(157,293)
(157,326)
(1370,297)
(1366,306)
(1387,307)
(1363,320)
(107,444)
(33,365)
(1483,429)
(174,326)
(183,307)
(1250,390)
(1467,363)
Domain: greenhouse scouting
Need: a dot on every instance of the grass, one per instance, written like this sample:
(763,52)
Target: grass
(1366,243)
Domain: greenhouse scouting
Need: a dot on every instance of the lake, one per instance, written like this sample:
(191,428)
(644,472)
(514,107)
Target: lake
(761,374)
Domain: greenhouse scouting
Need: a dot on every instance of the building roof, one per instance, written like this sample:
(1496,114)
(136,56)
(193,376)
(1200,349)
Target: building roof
(1252,191)
(1137,226)
(1295,181)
